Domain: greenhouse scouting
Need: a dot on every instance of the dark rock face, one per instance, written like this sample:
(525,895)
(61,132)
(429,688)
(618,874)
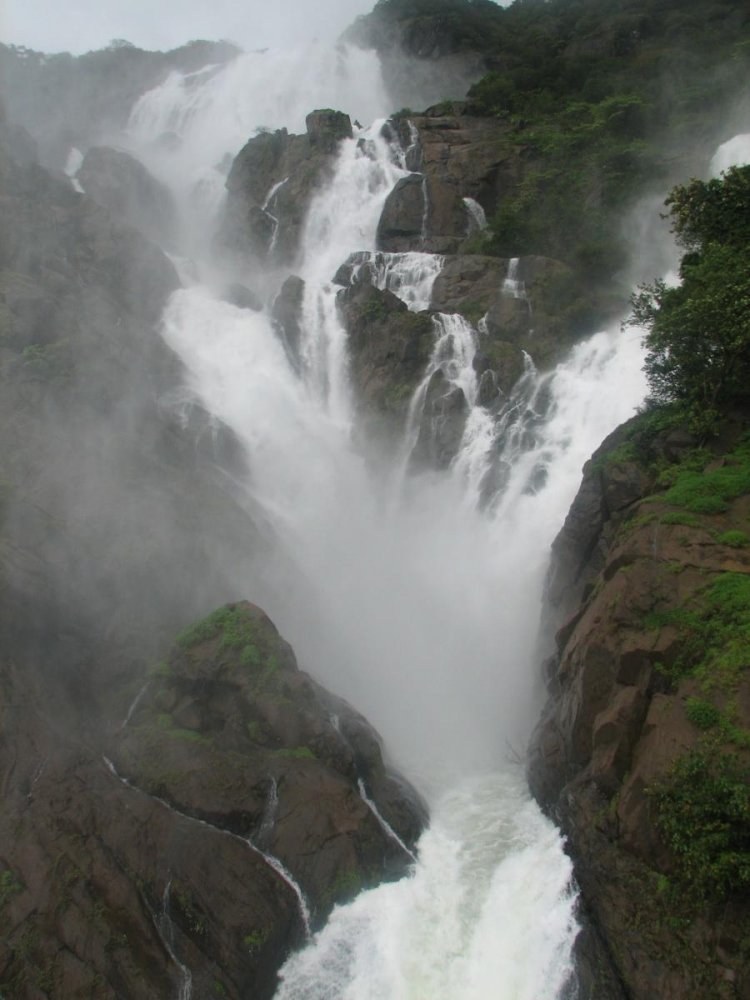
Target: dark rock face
(616,723)
(287,315)
(400,226)
(270,186)
(133,881)
(460,156)
(442,425)
(389,349)
(118,182)
(327,128)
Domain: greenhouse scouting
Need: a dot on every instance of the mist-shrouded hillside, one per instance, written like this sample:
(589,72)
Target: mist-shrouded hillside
(304,356)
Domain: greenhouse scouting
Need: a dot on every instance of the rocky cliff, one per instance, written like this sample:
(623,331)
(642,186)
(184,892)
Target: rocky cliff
(161,826)
(643,752)
(237,807)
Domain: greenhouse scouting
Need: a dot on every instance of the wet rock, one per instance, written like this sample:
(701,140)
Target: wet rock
(442,425)
(327,128)
(286,313)
(389,349)
(617,718)
(270,186)
(233,733)
(401,223)
(242,297)
(121,184)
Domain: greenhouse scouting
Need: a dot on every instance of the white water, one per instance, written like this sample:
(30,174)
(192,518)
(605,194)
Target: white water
(735,152)
(477,216)
(473,921)
(410,276)
(413,601)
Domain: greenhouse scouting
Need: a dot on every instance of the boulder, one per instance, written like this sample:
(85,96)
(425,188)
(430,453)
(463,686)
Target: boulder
(174,858)
(231,732)
(327,128)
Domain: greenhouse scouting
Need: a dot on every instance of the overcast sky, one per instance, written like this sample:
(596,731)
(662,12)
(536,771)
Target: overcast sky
(81,25)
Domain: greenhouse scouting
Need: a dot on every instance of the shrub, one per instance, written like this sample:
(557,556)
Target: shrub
(703,811)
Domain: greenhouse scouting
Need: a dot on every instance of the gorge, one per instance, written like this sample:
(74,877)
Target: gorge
(257,355)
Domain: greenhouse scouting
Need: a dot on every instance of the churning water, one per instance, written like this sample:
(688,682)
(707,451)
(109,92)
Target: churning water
(416,597)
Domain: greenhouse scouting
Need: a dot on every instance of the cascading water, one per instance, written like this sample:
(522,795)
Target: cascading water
(420,607)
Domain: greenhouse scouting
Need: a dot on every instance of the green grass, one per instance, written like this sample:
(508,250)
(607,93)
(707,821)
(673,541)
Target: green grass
(166,724)
(703,491)
(296,753)
(714,633)
(734,539)
(679,517)
(237,629)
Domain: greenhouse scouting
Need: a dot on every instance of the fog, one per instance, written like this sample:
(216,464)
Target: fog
(82,25)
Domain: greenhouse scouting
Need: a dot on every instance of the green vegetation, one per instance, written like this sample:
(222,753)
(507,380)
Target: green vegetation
(703,811)
(591,91)
(677,517)
(734,539)
(236,628)
(698,337)
(166,723)
(702,714)
(296,753)
(714,633)
(9,887)
(255,940)
(709,491)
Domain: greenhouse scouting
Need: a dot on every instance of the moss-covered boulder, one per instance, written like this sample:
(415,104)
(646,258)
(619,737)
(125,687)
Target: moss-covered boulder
(230,731)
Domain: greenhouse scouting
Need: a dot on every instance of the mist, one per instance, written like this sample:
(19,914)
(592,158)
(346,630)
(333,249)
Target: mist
(85,25)
(172,447)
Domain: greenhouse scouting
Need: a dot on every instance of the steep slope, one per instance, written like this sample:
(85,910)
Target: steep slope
(643,752)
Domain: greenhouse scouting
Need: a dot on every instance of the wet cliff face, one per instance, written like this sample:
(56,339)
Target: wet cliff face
(138,877)
(233,819)
(642,752)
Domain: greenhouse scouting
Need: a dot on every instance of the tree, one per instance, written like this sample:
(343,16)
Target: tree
(698,333)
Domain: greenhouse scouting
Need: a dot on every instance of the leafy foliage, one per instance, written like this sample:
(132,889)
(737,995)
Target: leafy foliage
(714,633)
(698,336)
(704,814)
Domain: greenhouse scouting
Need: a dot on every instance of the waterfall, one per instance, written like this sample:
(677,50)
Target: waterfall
(419,606)
(382,821)
(476,214)
(410,276)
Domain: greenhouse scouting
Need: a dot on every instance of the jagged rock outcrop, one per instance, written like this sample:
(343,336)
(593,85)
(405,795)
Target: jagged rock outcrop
(458,156)
(389,347)
(135,878)
(270,187)
(645,733)
(122,185)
